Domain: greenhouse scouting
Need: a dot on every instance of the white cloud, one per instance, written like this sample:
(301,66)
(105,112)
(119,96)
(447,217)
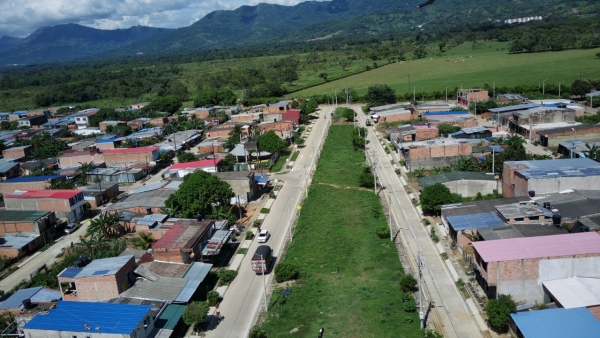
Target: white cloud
(22,17)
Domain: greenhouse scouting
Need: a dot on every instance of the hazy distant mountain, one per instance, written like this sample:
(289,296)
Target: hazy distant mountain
(68,42)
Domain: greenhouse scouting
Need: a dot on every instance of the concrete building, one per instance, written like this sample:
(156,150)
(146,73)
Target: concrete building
(397,115)
(100,280)
(182,169)
(459,121)
(508,98)
(578,322)
(221,130)
(435,106)
(402,133)
(29,183)
(75,158)
(65,203)
(278,107)
(87,319)
(82,120)
(15,222)
(138,123)
(282,129)
(128,156)
(574,292)
(249,118)
(17,152)
(9,169)
(98,194)
(242,183)
(551,137)
(522,121)
(150,198)
(212,146)
(519,266)
(465,97)
(182,244)
(433,153)
(474,133)
(104,124)
(545,176)
(199,113)
(32,121)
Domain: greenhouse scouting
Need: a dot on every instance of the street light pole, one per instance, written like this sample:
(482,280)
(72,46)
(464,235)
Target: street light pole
(447,93)
(559,88)
(421,315)
(422,94)
(544,87)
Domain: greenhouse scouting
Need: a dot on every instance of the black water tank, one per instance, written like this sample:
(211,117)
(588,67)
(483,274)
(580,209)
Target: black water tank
(27,304)
(148,211)
(531,193)
(547,205)
(556,218)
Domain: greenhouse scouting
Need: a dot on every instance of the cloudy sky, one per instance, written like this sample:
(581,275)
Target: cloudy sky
(19,18)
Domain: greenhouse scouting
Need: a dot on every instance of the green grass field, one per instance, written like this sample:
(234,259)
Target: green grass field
(489,63)
(348,276)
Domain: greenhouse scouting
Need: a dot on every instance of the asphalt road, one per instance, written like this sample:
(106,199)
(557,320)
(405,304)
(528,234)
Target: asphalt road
(245,297)
(450,308)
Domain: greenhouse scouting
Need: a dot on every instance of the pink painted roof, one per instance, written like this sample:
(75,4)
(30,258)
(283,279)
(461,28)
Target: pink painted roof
(130,150)
(539,247)
(43,194)
(425,127)
(195,164)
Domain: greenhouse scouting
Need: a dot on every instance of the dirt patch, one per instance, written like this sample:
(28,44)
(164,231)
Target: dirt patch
(344,187)
(294,330)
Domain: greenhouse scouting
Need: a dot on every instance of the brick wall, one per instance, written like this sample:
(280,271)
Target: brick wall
(207,149)
(16,152)
(398,117)
(98,288)
(245,117)
(427,134)
(105,145)
(159,121)
(508,179)
(168,255)
(129,158)
(84,157)
(9,188)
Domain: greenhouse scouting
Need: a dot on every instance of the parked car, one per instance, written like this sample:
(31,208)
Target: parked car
(262,259)
(263,236)
(71,227)
(368,123)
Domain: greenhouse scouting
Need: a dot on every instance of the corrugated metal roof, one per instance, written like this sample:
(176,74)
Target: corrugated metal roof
(514,108)
(169,317)
(594,94)
(130,150)
(31,179)
(44,194)
(575,292)
(538,247)
(99,317)
(198,271)
(563,163)
(449,112)
(195,164)
(98,267)
(188,291)
(475,221)
(22,215)
(6,166)
(16,300)
(557,323)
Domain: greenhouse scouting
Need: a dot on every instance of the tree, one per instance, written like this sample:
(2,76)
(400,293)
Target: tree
(288,75)
(323,76)
(366,178)
(379,95)
(195,313)
(235,136)
(499,310)
(58,184)
(434,196)
(593,152)
(186,156)
(168,104)
(407,282)
(270,142)
(143,241)
(227,162)
(597,55)
(581,87)
(257,332)
(209,98)
(198,193)
(285,271)
(446,128)
(83,170)
(106,225)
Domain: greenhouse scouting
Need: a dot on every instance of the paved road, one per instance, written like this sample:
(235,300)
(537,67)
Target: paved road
(42,258)
(244,298)
(451,310)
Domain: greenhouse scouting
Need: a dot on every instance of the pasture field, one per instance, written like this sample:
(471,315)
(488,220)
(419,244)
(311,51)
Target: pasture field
(348,276)
(463,66)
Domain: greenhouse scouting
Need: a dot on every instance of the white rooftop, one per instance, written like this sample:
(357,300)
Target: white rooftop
(575,291)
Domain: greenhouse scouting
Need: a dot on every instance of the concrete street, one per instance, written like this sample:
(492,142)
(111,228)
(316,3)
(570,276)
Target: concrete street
(245,298)
(450,308)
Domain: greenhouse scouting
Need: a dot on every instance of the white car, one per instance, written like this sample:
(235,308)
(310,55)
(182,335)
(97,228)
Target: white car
(263,236)
(69,229)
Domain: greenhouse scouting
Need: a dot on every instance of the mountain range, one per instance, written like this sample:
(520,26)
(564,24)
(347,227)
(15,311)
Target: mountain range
(255,25)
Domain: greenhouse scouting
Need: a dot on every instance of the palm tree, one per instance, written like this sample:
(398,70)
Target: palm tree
(419,172)
(515,140)
(106,225)
(144,241)
(593,152)
(83,170)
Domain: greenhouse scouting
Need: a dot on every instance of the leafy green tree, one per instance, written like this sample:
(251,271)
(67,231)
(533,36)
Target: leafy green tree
(198,192)
(58,184)
(105,226)
(83,170)
(366,178)
(46,146)
(407,282)
(210,98)
(143,241)
(581,87)
(270,142)
(379,95)
(288,75)
(499,310)
(186,156)
(227,162)
(195,313)
(446,128)
(168,104)
(593,152)
(359,138)
(435,196)
(234,137)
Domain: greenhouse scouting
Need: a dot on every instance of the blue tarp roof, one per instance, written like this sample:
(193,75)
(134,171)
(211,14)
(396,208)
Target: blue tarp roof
(475,221)
(37,295)
(106,140)
(32,178)
(260,179)
(557,323)
(99,317)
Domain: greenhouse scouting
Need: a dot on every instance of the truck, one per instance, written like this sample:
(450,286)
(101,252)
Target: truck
(262,259)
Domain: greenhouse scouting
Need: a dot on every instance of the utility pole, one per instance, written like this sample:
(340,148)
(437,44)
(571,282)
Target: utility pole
(414,91)
(544,87)
(494,95)
(375,173)
(559,88)
(421,314)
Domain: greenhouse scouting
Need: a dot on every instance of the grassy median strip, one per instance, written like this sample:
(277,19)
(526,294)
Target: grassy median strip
(348,280)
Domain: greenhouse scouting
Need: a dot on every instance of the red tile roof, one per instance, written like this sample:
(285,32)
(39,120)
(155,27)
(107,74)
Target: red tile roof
(44,194)
(130,150)
(196,164)
(180,237)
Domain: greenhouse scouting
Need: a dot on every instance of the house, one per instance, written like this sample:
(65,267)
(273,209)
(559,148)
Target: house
(127,156)
(30,167)
(17,152)
(29,183)
(379,109)
(100,280)
(32,121)
(465,183)
(181,244)
(159,224)
(15,222)
(212,146)
(545,176)
(278,107)
(282,129)
(576,148)
(65,203)
(147,199)
(445,114)
(159,121)
(465,97)
(397,115)
(199,113)
(434,153)
(138,123)
(242,183)
(459,121)
(292,115)
(435,107)
(83,117)
(518,266)
(402,133)
(478,133)
(76,158)
(246,118)
(551,137)
(104,124)
(98,194)
(221,130)
(26,303)
(124,174)
(426,132)
(574,292)
(508,98)
(522,121)
(9,169)
(182,169)
(91,319)
(579,323)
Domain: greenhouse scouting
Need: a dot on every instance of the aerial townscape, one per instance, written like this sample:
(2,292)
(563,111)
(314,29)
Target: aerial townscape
(343,168)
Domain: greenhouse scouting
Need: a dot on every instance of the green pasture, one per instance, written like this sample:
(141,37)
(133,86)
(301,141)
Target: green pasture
(348,281)
(467,67)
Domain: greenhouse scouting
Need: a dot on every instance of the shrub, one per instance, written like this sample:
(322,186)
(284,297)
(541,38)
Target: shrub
(264,210)
(409,306)
(285,271)
(407,283)
(249,234)
(499,310)
(460,284)
(434,236)
(212,297)
(382,231)
(426,221)
(444,255)
(256,223)
(226,276)
(195,313)
(257,332)
(436,195)
(366,180)
(271,194)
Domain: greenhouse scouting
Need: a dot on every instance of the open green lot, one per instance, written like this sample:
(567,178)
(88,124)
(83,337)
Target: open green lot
(348,276)
(468,67)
